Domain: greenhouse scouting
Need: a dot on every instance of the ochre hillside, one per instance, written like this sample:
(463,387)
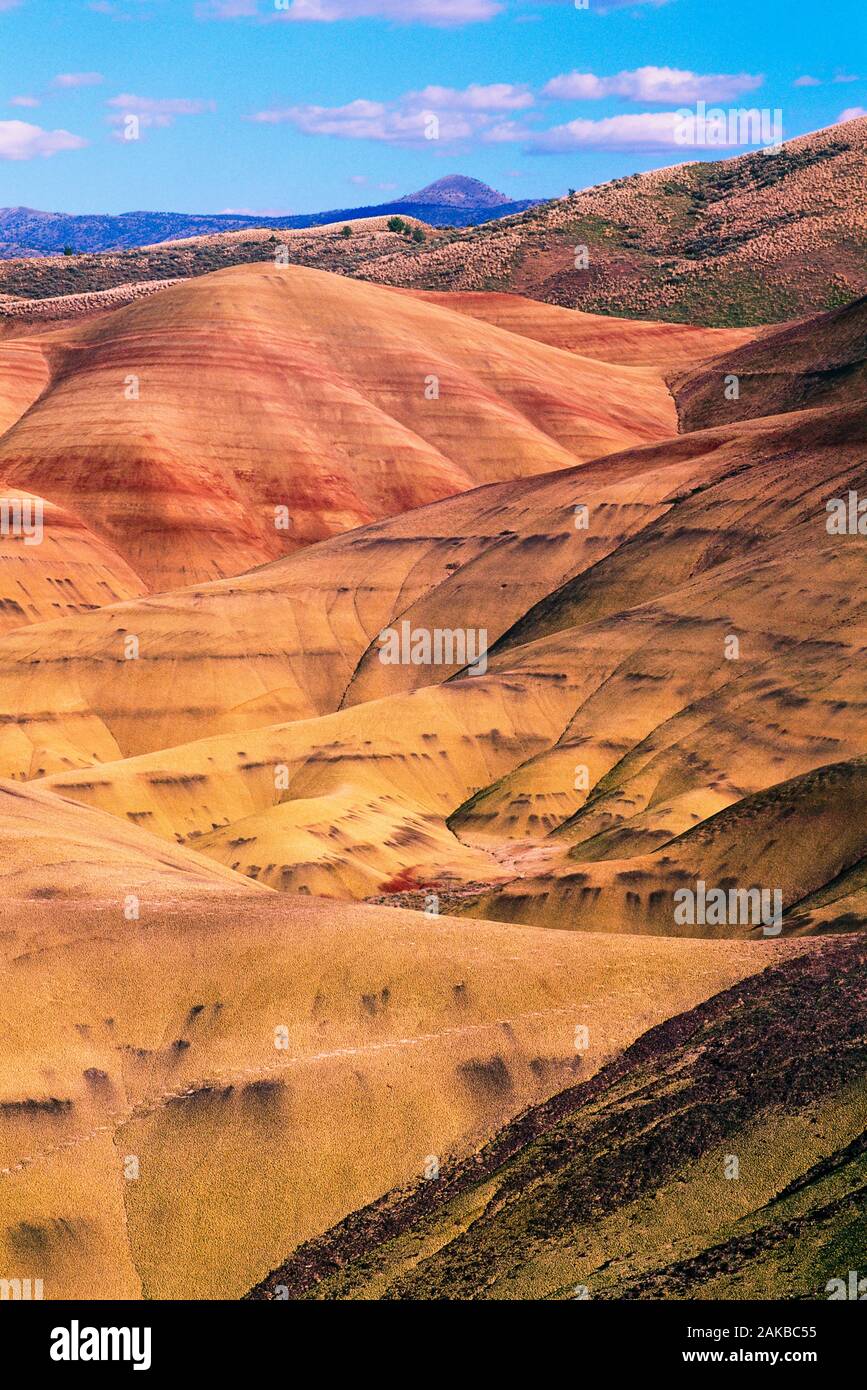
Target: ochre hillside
(212,1056)
(550,1208)
(821,361)
(651,663)
(181,424)
(664,652)
(188,1094)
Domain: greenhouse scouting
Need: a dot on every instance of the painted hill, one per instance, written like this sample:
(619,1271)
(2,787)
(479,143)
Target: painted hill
(162,1074)
(68,570)
(103,859)
(338,401)
(610,651)
(822,361)
(735,1151)
(281,664)
(674,691)
(573,1072)
(639,342)
(804,836)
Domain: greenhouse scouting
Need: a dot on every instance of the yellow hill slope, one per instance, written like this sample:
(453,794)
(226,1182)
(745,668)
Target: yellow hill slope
(156,1142)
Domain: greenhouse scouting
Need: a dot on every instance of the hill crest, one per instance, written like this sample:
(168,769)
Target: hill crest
(458,191)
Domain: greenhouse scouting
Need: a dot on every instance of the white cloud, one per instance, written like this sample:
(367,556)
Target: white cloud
(227,9)
(575,86)
(806,81)
(442,13)
(119,12)
(9,4)
(648,130)
(653,84)
(603,6)
(504,132)
(367,120)
(19,140)
(436,12)
(498,96)
(473,112)
(25,101)
(847,77)
(852,113)
(156,111)
(71,80)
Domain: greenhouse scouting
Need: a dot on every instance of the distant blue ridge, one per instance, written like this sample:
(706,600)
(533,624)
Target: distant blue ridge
(29,232)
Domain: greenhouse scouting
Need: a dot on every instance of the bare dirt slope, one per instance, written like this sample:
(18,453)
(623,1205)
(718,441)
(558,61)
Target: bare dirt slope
(190,1092)
(649,668)
(736,1152)
(814,363)
(209,1058)
(337,401)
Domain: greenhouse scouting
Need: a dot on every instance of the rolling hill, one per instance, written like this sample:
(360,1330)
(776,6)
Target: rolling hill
(812,363)
(287,927)
(716,1158)
(738,242)
(761,238)
(493,759)
(166,1070)
(754,240)
(317,404)
(610,650)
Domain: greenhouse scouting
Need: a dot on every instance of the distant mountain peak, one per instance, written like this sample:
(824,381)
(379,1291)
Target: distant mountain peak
(458,191)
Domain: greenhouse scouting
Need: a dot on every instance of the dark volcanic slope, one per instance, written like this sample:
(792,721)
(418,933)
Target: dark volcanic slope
(625,1186)
(457,191)
(820,361)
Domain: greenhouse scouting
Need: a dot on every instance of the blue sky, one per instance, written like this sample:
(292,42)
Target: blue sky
(300,105)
